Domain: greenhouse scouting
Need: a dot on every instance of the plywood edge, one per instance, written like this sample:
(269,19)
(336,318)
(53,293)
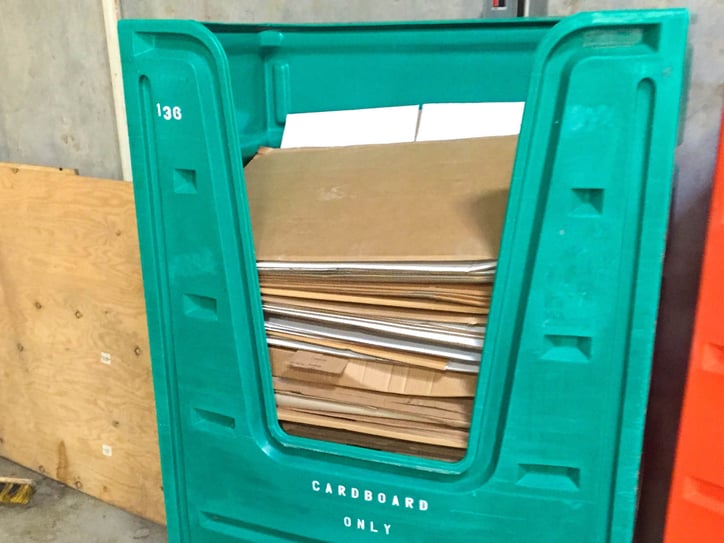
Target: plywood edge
(14,167)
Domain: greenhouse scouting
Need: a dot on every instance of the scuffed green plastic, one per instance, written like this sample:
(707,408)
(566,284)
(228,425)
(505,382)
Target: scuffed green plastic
(556,438)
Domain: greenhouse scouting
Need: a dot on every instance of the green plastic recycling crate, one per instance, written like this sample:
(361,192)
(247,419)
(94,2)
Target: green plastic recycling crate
(557,426)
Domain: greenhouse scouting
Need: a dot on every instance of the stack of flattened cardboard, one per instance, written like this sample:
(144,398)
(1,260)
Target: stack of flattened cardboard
(376,265)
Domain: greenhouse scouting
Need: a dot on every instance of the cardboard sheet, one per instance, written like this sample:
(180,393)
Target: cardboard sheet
(380,377)
(436,436)
(351,127)
(353,411)
(453,412)
(398,271)
(388,301)
(293,344)
(406,289)
(440,275)
(424,343)
(425,296)
(315,361)
(469,120)
(372,311)
(463,337)
(446,454)
(421,202)
(379,353)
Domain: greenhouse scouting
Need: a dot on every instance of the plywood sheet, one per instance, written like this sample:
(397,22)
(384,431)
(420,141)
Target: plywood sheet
(46,169)
(76,397)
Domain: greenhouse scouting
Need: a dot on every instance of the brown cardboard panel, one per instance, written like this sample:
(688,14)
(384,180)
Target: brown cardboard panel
(432,201)
(407,289)
(473,326)
(393,301)
(355,412)
(399,357)
(381,377)
(378,300)
(306,360)
(371,311)
(477,301)
(434,436)
(402,421)
(447,454)
(311,288)
(456,412)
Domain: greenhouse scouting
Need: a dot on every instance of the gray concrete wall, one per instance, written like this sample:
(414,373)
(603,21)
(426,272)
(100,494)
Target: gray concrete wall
(695,159)
(56,106)
(302,10)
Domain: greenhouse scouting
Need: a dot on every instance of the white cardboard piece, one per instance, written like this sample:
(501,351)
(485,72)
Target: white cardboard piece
(469,120)
(351,127)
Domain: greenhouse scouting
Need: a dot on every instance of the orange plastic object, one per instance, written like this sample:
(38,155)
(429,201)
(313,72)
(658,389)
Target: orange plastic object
(696,503)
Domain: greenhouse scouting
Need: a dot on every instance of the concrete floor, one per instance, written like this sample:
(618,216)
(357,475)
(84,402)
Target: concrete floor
(60,514)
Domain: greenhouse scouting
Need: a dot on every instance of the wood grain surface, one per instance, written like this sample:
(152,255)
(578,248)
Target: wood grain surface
(76,396)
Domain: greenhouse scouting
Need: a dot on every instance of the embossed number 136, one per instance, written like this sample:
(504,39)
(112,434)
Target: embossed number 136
(168,112)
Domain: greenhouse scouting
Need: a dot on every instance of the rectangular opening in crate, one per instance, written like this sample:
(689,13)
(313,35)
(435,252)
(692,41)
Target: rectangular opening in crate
(376,265)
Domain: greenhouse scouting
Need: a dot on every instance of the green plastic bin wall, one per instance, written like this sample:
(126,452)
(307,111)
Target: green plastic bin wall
(556,438)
